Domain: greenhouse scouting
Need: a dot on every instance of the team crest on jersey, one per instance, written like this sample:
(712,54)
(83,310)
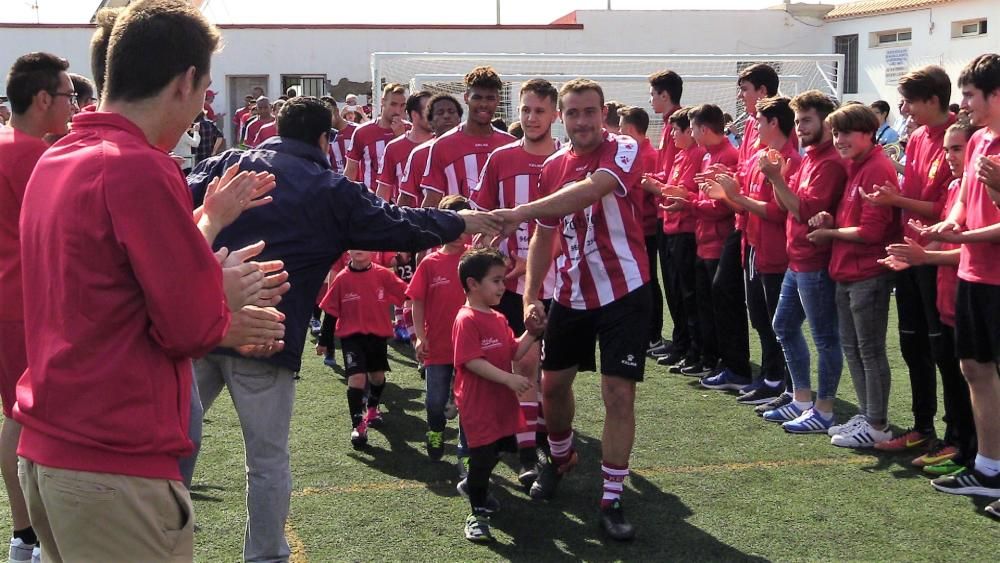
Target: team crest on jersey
(489,343)
(626,153)
(381,294)
(934,168)
(351,296)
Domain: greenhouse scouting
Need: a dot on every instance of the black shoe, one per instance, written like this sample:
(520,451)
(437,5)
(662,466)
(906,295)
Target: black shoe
(492,504)
(661,350)
(546,481)
(968,482)
(654,345)
(696,369)
(613,522)
(993,509)
(778,402)
(527,477)
(671,359)
(761,395)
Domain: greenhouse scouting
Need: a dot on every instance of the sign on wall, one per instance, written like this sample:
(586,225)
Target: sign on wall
(896,64)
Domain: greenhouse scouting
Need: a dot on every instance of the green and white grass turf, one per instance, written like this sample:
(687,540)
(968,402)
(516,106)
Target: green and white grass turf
(710,482)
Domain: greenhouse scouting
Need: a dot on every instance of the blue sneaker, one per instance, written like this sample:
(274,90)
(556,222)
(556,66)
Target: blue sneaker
(725,380)
(810,422)
(330,360)
(752,387)
(784,414)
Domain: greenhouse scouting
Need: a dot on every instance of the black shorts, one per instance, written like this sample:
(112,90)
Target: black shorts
(977,330)
(617,327)
(511,306)
(364,353)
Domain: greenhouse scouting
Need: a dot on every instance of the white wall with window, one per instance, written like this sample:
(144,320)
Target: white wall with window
(887,46)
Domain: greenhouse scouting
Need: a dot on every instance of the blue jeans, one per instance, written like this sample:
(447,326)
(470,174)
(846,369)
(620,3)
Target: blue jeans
(812,296)
(438,387)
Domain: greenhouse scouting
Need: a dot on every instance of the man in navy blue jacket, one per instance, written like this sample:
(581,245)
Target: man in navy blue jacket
(316,215)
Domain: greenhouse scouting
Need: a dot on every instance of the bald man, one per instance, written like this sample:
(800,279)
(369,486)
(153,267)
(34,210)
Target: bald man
(264,117)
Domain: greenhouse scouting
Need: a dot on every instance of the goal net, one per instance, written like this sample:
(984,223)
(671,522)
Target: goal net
(707,78)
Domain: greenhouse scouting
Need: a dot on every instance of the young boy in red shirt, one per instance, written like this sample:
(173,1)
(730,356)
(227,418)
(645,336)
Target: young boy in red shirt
(486,390)
(437,296)
(359,298)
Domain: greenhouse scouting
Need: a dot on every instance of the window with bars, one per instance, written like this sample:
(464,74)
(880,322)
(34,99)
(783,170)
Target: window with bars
(847,45)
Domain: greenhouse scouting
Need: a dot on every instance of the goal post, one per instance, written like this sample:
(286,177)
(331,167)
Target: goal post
(707,78)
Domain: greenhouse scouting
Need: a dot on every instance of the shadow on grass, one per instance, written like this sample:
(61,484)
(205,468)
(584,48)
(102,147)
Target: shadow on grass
(567,529)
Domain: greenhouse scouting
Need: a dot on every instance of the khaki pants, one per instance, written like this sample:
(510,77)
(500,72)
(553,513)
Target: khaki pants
(99,517)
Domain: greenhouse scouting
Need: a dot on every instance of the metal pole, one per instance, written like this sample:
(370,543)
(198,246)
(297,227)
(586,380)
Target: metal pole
(498,12)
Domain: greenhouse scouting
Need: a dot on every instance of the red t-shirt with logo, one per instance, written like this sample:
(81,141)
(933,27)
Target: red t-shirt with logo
(603,255)
(926,176)
(360,300)
(436,283)
(490,411)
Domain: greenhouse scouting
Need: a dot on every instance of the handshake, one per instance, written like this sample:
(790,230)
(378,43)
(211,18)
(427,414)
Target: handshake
(498,224)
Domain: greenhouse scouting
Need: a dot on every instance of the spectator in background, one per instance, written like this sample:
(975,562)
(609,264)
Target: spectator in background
(500,124)
(290,92)
(516,130)
(954,108)
(264,117)
(211,141)
(243,111)
(613,121)
(84,90)
(186,146)
(731,132)
(209,110)
(4,114)
(885,134)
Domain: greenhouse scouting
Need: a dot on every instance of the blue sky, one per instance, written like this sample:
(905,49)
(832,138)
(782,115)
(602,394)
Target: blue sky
(379,11)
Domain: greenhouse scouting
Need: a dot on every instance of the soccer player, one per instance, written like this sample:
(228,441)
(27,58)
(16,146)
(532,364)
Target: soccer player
(713,223)
(766,258)
(486,390)
(369,140)
(342,143)
(613,123)
(957,448)
(264,117)
(443,113)
(390,168)
(456,157)
(42,101)
(359,297)
(634,122)
(977,332)
(859,234)
(508,180)
(591,204)
(728,294)
(807,292)
(678,248)
(926,93)
(437,296)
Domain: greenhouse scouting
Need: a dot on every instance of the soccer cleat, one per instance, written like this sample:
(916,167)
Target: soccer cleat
(492,504)
(359,436)
(477,528)
(373,418)
(861,435)
(549,475)
(761,395)
(778,402)
(20,552)
(315,327)
(450,409)
(810,422)
(614,524)
(695,369)
(935,457)
(435,445)
(841,428)
(907,441)
(993,509)
(968,482)
(786,413)
(946,467)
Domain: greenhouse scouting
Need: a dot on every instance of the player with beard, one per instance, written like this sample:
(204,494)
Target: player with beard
(369,140)
(397,152)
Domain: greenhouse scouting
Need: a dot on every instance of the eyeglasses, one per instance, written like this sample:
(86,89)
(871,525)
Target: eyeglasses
(71,95)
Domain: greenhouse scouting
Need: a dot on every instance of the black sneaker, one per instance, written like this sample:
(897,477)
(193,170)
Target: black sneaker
(968,482)
(671,359)
(662,349)
(613,522)
(492,504)
(546,481)
(993,509)
(696,369)
(686,362)
(654,345)
(778,402)
(527,477)
(761,395)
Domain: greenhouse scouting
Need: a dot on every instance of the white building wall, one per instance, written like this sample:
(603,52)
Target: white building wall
(932,43)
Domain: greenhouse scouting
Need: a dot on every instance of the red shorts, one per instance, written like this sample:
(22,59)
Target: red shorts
(13,362)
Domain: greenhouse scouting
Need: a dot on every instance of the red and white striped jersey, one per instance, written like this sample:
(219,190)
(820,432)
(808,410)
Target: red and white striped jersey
(456,159)
(367,147)
(413,171)
(340,147)
(603,254)
(390,167)
(509,179)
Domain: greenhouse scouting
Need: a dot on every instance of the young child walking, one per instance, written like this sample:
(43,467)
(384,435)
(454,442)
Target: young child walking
(359,298)
(486,388)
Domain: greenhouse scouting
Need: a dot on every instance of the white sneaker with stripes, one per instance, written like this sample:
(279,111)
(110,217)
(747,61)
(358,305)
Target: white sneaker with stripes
(861,435)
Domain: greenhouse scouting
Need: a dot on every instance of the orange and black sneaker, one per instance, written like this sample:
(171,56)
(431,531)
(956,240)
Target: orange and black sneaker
(935,457)
(906,441)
